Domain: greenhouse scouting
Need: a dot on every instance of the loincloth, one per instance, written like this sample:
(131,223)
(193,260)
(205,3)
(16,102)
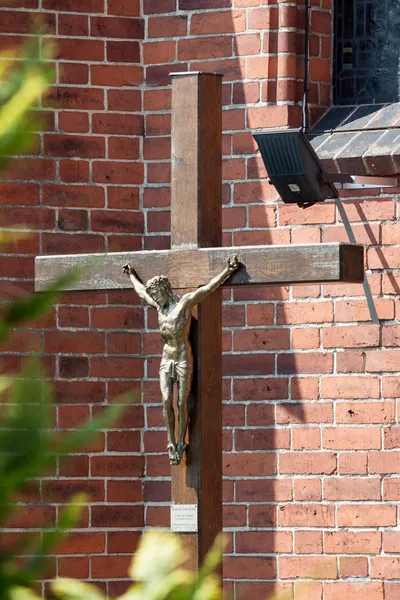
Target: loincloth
(176,370)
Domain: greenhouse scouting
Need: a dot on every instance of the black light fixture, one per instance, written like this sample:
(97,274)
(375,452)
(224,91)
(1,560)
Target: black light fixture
(294,168)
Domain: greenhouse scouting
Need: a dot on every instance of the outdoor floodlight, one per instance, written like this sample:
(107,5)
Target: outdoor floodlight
(294,168)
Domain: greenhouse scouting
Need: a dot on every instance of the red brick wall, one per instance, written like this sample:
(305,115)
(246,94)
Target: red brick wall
(310,385)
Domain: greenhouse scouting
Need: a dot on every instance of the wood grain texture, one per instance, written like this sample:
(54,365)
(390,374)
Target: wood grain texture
(190,268)
(196,220)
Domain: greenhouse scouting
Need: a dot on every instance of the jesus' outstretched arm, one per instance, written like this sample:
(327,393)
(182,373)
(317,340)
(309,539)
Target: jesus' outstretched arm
(193,298)
(138,286)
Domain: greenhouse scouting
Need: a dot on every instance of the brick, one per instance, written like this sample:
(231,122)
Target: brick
(366,515)
(307,463)
(306,412)
(261,439)
(160,27)
(247,44)
(117,516)
(123,147)
(351,463)
(23,24)
(306,438)
(357,310)
(256,389)
(127,198)
(200,48)
(75,98)
(218,22)
(263,18)
(391,488)
(115,76)
(124,368)
(351,438)
(91,6)
(385,567)
(124,8)
(384,462)
(124,491)
(351,337)
(304,388)
(60,243)
(115,566)
(292,567)
(391,590)
(62,195)
(261,339)
(305,338)
(391,541)
(118,172)
(61,490)
(17,193)
(72,122)
(108,220)
(80,50)
(353,591)
(123,52)
(240,567)
(352,386)
(117,466)
(73,391)
(110,123)
(350,542)
(260,314)
(71,145)
(352,488)
(73,367)
(117,27)
(351,361)
(74,171)
(307,490)
(365,412)
(248,465)
(306,542)
(124,100)
(261,490)
(382,360)
(290,215)
(263,542)
(247,364)
(304,312)
(306,515)
(73,342)
(310,362)
(77,567)
(73,25)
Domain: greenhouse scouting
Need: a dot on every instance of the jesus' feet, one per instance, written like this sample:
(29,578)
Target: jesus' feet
(173,454)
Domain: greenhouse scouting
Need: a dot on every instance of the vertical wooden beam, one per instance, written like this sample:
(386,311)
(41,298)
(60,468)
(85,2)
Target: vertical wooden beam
(196,211)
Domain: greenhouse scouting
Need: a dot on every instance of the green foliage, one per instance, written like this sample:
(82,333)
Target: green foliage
(158,571)
(23,78)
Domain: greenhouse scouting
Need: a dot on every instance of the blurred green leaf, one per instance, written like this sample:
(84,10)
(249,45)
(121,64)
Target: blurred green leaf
(34,305)
(70,589)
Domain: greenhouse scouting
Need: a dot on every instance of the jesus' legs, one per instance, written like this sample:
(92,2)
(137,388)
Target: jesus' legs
(183,393)
(166,386)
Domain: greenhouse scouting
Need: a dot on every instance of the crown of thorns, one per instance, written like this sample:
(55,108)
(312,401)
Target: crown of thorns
(158,281)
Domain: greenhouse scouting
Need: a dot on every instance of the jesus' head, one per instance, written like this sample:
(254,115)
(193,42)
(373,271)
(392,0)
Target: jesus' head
(159,288)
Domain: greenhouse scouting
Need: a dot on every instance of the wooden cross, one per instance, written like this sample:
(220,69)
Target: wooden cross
(195,257)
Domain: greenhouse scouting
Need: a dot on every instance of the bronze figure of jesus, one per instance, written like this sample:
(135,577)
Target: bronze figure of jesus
(174,316)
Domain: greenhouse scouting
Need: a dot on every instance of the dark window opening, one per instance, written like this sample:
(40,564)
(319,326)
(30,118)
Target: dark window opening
(366,66)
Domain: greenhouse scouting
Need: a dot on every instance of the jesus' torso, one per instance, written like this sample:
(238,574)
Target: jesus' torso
(174,323)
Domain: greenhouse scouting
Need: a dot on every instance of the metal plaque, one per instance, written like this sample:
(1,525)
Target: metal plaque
(184,518)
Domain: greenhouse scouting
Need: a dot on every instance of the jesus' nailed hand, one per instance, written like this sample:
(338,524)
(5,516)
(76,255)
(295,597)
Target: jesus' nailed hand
(174,316)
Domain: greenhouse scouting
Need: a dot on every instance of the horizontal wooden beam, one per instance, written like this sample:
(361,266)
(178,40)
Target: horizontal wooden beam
(192,267)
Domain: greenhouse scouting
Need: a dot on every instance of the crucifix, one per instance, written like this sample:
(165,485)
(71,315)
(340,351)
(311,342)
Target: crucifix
(195,259)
